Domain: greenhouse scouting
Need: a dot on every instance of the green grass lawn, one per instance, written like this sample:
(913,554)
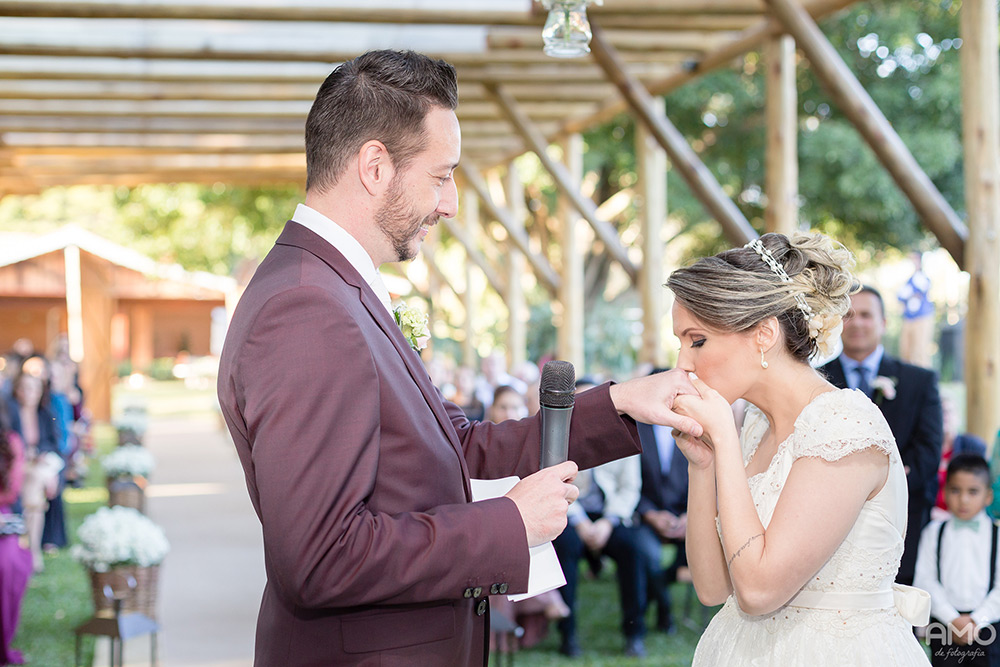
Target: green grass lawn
(599,630)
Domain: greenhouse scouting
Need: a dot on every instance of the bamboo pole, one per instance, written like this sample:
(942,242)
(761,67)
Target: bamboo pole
(464,234)
(781,160)
(626,11)
(694,172)
(572,323)
(652,162)
(691,70)
(517,307)
(543,271)
(536,143)
(981,130)
(858,106)
(470,357)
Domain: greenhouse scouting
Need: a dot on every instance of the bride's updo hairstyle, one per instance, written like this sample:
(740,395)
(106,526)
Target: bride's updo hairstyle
(737,289)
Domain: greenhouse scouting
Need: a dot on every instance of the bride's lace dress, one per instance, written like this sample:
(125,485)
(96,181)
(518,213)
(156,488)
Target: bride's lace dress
(817,629)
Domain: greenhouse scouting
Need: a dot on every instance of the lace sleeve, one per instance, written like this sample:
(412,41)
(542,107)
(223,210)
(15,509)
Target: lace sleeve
(846,423)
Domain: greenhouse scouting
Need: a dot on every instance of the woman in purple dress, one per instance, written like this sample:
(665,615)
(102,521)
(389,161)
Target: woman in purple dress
(15,560)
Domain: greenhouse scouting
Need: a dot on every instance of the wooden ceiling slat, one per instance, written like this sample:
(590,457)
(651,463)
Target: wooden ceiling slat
(479,58)
(637,9)
(149,91)
(241,109)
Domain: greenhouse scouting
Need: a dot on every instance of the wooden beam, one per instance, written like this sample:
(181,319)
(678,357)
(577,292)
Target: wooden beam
(517,308)
(275,110)
(651,161)
(858,106)
(630,10)
(90,144)
(518,117)
(483,58)
(543,271)
(275,91)
(748,40)
(463,237)
(981,133)
(114,124)
(645,41)
(781,157)
(694,172)
(275,12)
(187,71)
(470,355)
(571,323)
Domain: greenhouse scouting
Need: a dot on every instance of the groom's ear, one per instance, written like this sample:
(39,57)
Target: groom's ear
(768,333)
(375,169)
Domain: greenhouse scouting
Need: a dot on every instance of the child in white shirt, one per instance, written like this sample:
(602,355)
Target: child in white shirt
(957,565)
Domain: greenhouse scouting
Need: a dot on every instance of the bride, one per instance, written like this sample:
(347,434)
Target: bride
(797,522)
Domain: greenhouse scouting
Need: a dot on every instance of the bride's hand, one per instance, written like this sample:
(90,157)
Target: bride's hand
(697,451)
(709,409)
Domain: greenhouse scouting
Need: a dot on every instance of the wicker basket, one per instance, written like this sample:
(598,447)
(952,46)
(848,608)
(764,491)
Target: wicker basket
(141,599)
(127,492)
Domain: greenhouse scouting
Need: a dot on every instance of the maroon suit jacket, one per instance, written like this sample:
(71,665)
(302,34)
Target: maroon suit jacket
(359,472)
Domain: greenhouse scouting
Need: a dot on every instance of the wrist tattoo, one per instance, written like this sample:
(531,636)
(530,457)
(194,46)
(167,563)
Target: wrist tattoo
(740,550)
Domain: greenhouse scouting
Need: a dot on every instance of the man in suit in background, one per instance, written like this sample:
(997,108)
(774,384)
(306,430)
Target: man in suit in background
(909,399)
(662,511)
(357,468)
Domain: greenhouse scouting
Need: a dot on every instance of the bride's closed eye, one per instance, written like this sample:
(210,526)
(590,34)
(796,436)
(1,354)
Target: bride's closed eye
(698,343)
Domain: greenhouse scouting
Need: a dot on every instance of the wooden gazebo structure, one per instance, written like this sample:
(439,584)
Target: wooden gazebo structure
(128,92)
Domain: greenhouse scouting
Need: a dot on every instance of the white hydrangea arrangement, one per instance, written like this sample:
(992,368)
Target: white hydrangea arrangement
(128,461)
(119,536)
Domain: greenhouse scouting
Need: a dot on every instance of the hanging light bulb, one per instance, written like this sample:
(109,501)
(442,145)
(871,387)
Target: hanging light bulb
(567,32)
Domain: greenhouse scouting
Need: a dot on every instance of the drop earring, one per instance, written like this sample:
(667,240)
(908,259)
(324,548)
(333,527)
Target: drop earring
(763,361)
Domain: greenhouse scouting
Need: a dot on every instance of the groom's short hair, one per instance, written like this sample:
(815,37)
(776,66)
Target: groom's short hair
(382,95)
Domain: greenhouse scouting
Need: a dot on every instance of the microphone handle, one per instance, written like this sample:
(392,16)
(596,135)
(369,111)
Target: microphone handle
(555,435)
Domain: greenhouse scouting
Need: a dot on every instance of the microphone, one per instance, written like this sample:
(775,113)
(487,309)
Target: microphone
(556,397)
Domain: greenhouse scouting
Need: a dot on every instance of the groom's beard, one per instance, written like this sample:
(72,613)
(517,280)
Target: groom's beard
(400,223)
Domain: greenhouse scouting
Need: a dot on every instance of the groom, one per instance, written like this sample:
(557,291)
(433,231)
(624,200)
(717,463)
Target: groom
(357,468)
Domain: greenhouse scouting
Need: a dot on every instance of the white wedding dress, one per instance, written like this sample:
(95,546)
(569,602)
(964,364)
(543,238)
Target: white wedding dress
(847,613)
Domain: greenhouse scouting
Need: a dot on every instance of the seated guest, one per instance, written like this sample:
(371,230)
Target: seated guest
(465,394)
(600,524)
(954,444)
(662,513)
(15,560)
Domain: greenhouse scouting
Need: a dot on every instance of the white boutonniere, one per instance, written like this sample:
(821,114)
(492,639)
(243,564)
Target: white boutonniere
(413,324)
(884,387)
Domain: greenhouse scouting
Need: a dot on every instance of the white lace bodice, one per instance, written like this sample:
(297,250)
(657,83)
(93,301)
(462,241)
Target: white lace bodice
(833,425)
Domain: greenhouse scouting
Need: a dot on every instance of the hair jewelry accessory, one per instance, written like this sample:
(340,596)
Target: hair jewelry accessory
(779,271)
(823,328)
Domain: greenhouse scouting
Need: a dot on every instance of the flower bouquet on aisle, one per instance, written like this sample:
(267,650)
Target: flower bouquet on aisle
(116,543)
(127,469)
(128,461)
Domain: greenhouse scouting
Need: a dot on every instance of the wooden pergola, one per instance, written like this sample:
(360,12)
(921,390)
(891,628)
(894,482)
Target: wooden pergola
(152,91)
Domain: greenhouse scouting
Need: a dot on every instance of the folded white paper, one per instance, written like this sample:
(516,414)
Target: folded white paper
(544,571)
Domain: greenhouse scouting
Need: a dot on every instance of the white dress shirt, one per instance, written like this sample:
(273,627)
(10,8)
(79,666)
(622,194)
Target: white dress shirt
(348,246)
(870,363)
(965,571)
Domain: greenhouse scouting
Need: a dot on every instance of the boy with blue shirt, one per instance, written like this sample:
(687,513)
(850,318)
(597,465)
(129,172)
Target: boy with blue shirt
(957,565)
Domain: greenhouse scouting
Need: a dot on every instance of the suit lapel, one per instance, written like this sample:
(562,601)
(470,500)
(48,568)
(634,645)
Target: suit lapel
(835,372)
(300,237)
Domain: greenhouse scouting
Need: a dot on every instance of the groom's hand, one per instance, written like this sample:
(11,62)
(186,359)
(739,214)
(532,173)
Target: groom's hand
(650,399)
(542,500)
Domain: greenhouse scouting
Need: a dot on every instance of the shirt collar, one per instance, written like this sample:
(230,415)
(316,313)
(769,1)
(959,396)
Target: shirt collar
(871,362)
(348,246)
